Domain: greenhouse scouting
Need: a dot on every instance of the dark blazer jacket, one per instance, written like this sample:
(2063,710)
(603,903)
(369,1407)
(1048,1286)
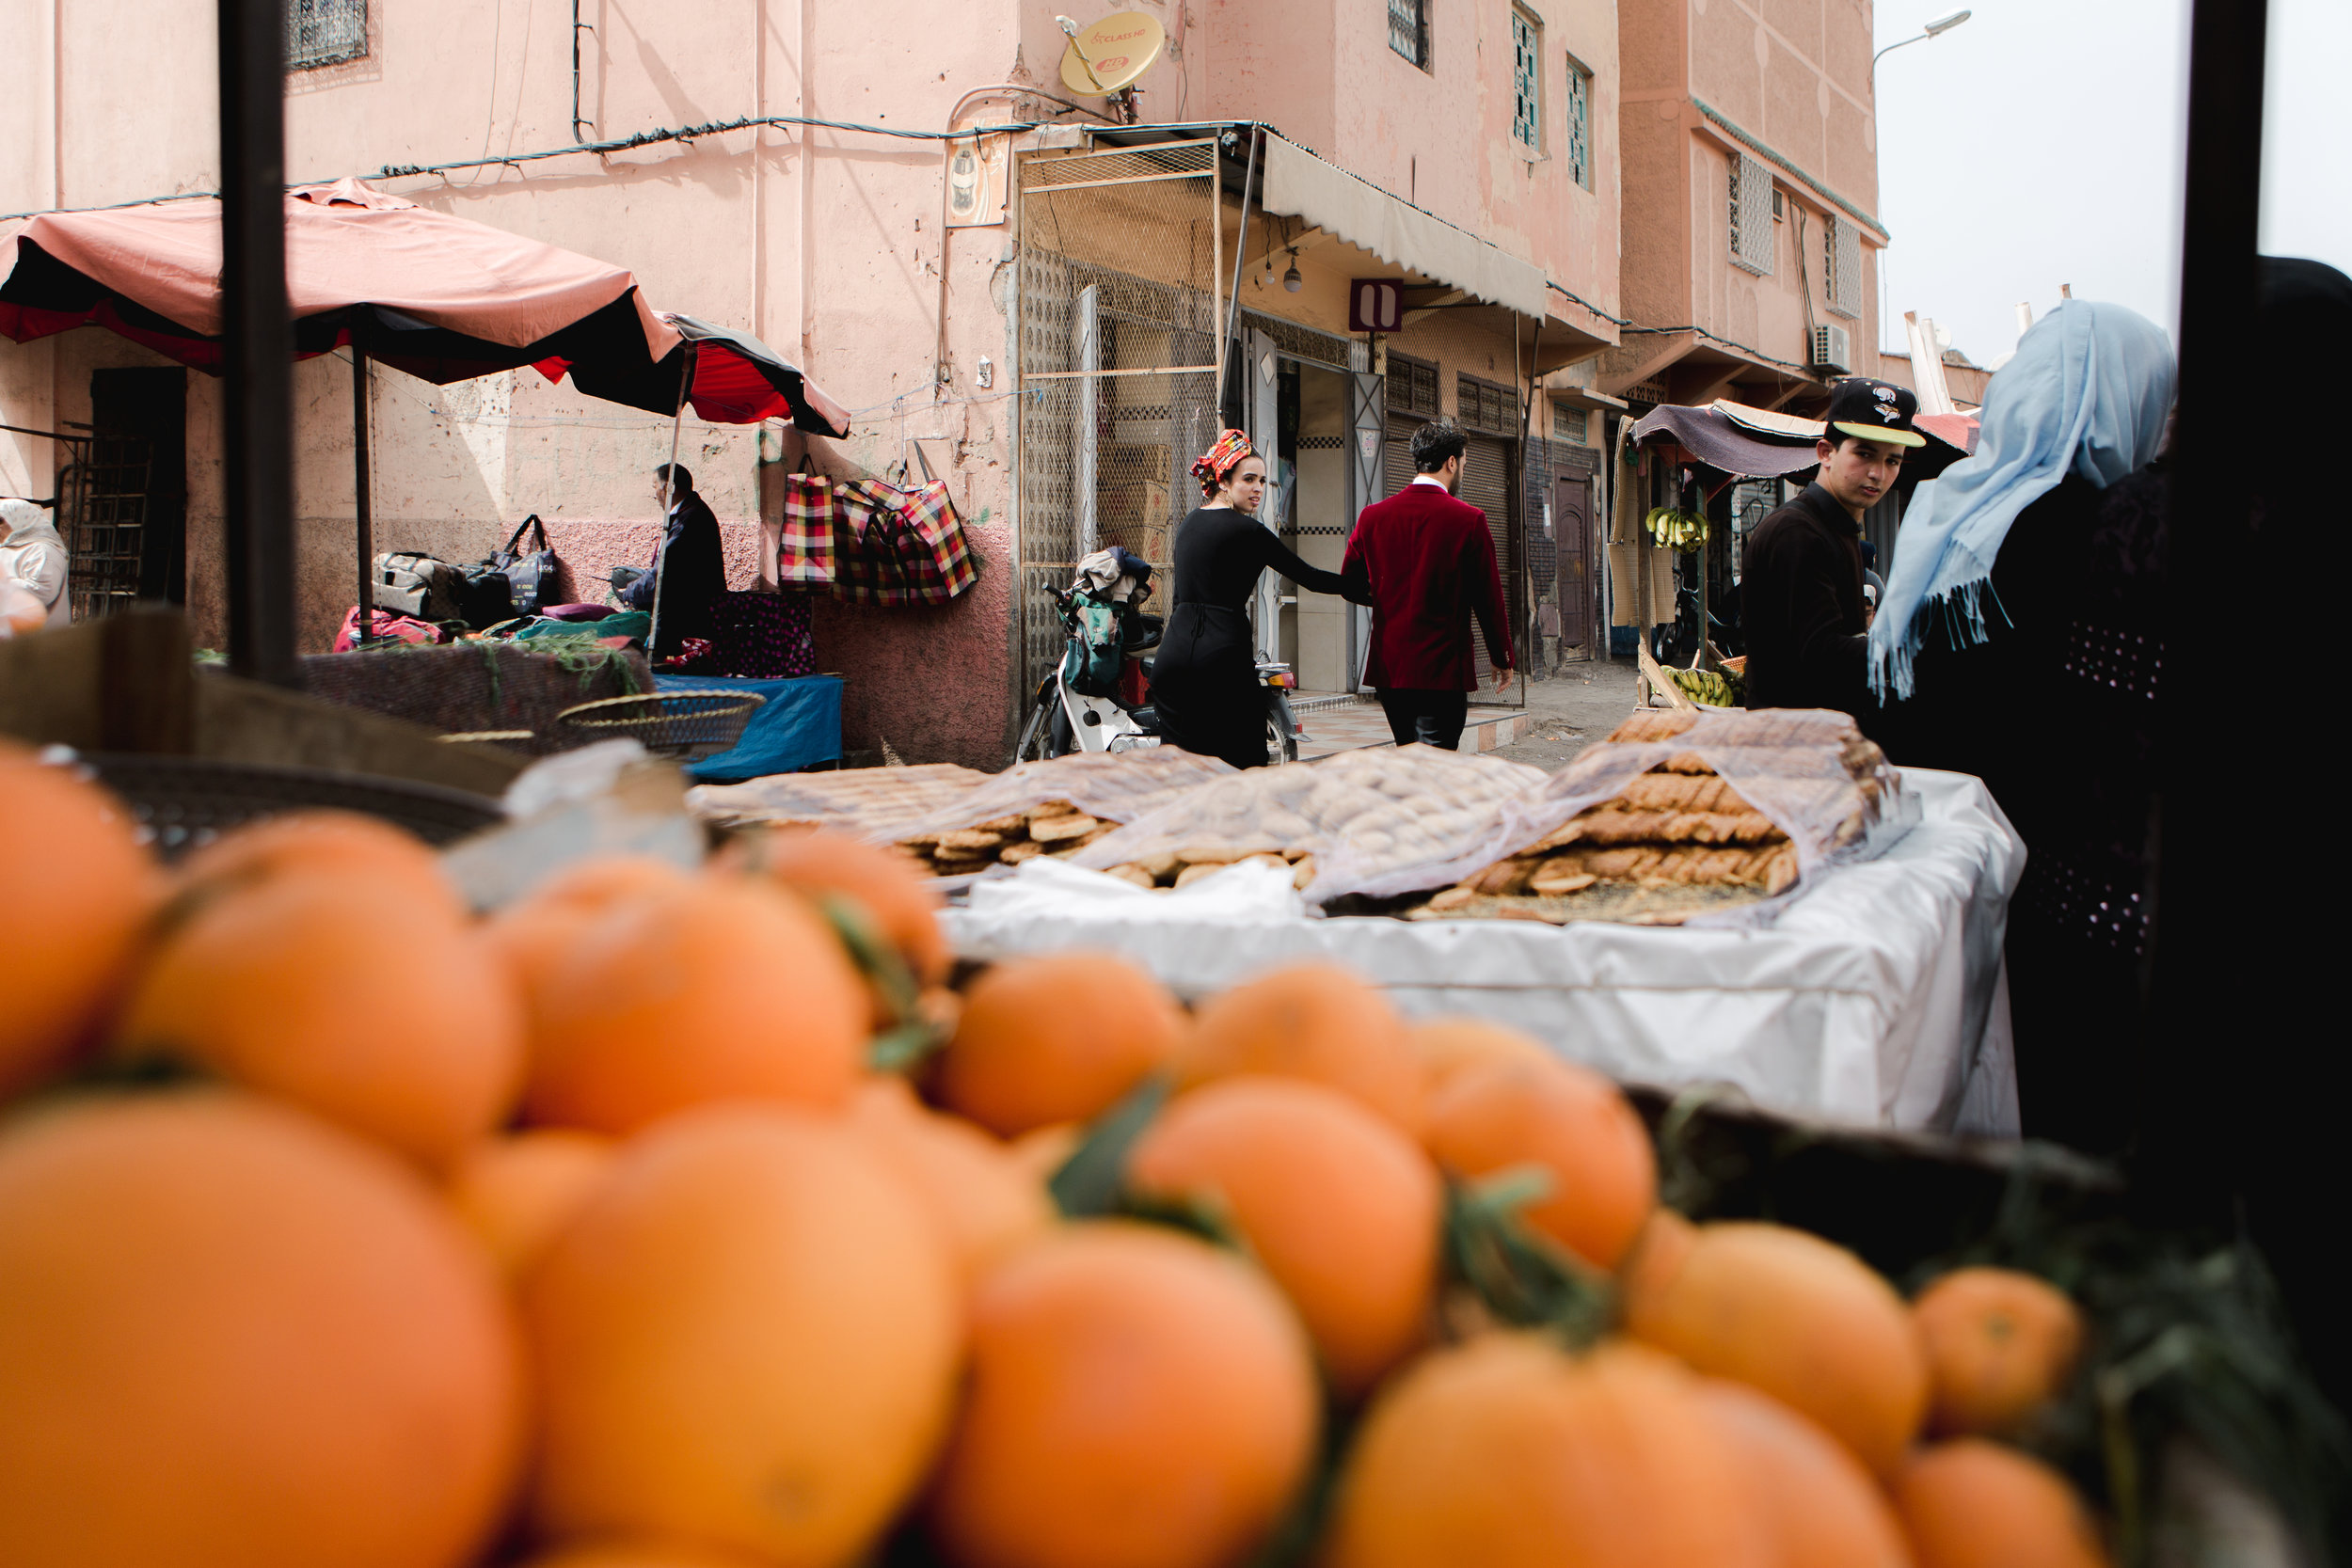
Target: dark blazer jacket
(1429,565)
(1801,607)
(695,564)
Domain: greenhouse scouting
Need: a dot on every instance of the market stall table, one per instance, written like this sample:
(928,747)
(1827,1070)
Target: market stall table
(1877,997)
(798,724)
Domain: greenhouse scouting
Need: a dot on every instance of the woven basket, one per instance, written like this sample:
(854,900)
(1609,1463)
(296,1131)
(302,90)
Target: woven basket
(185,802)
(682,725)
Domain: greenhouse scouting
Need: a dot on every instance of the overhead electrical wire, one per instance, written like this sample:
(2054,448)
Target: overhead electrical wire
(615,144)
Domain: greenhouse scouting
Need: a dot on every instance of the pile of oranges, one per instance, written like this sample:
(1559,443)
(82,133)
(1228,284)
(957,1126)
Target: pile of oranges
(341,1226)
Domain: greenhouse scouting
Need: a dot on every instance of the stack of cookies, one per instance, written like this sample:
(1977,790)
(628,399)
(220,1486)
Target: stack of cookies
(1056,828)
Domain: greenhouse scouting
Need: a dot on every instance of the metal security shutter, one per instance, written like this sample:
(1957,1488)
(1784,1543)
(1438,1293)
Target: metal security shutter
(1487,486)
(1118,371)
(1396,456)
(1751,215)
(1841,265)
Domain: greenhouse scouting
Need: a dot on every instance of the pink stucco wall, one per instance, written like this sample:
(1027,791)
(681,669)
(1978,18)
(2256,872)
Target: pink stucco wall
(1795,76)
(824,243)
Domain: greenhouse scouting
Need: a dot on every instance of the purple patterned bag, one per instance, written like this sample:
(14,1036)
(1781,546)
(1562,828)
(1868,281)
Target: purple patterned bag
(763,636)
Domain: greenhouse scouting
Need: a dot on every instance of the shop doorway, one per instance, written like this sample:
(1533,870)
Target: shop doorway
(127,500)
(1316,418)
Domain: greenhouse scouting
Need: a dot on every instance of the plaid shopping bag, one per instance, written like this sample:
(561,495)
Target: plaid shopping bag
(805,550)
(927,538)
(867,568)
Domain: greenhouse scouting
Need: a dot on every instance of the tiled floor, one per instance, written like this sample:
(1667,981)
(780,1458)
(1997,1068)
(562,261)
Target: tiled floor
(1340,722)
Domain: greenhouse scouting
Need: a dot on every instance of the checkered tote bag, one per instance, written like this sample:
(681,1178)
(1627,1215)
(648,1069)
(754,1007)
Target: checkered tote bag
(806,550)
(929,538)
(866,559)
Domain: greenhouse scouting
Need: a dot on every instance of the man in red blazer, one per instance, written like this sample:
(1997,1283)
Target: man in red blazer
(1429,565)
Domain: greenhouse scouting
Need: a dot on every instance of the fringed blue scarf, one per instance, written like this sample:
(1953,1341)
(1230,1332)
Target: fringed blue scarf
(2086,392)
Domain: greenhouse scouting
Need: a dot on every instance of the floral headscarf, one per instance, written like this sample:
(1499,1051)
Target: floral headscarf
(1212,465)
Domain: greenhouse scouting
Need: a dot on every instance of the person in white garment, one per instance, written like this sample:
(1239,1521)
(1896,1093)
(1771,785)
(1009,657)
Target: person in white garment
(32,567)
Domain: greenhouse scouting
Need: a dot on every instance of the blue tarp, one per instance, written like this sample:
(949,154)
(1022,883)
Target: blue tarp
(800,723)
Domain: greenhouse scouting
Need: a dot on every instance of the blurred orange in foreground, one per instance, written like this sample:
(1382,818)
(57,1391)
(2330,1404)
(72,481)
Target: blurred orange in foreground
(1310,1020)
(895,893)
(1137,1398)
(513,1194)
(719,988)
(235,1338)
(2000,1346)
(536,933)
(1341,1209)
(1799,1318)
(376,1008)
(1570,1123)
(746,1338)
(640,1554)
(985,1202)
(75,893)
(1510,1452)
(1060,1037)
(1821,1509)
(363,853)
(1974,1504)
(1448,1045)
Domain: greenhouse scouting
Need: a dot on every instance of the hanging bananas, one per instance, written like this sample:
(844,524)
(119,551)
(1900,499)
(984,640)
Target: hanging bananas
(1715,687)
(1675,530)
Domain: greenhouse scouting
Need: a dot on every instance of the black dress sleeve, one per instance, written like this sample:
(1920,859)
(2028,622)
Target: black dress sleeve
(1274,555)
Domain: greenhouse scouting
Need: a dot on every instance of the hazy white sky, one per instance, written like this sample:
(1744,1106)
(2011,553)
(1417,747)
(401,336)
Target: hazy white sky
(2041,142)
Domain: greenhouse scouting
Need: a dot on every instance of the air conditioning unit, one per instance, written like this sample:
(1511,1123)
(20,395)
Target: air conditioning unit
(1831,349)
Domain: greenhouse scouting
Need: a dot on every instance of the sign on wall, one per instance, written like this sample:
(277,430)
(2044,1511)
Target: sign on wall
(1375,305)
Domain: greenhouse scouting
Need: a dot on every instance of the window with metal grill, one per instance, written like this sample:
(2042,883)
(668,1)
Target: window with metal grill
(325,32)
(1573,426)
(1411,386)
(1408,30)
(1751,215)
(1580,124)
(1485,405)
(1841,266)
(1527,80)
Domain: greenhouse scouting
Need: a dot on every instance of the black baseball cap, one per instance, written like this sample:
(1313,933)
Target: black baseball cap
(1873,411)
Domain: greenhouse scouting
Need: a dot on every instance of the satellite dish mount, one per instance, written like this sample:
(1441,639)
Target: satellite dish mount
(1106,59)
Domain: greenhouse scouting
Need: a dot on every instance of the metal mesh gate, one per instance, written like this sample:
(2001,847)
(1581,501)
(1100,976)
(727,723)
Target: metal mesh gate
(1119,362)
(102,508)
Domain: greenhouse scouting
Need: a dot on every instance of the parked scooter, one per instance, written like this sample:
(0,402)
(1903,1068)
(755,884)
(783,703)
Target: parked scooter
(1097,698)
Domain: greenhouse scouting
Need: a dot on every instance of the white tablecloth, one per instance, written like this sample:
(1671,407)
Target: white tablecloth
(1878,997)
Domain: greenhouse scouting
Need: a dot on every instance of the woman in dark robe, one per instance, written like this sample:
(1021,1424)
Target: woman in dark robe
(1205,681)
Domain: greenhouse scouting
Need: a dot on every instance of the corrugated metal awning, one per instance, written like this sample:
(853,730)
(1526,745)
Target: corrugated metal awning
(1299,185)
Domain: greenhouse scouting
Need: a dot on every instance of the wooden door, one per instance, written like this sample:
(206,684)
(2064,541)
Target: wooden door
(1572,539)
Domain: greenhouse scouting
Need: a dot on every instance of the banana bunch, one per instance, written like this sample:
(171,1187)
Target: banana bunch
(1716,688)
(1675,530)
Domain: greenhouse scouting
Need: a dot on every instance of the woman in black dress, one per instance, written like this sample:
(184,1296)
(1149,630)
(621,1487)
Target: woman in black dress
(1204,680)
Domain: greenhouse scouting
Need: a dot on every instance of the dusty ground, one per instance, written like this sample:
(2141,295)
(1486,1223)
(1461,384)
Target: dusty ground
(1583,703)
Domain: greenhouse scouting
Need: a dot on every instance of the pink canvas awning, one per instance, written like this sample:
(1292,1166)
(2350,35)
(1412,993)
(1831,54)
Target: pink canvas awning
(438,297)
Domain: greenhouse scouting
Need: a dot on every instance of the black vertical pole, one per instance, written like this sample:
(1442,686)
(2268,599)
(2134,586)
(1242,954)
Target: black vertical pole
(362,512)
(2194,984)
(257,340)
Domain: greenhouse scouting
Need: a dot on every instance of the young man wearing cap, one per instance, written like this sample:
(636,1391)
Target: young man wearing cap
(1801,596)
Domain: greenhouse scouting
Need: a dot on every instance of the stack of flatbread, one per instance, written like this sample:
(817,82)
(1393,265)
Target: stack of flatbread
(869,802)
(1056,828)
(1680,837)
(1359,812)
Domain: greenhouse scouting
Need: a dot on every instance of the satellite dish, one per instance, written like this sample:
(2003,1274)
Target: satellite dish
(1111,56)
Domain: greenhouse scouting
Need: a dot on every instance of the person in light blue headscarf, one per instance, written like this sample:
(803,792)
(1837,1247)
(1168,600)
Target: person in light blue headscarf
(2086,396)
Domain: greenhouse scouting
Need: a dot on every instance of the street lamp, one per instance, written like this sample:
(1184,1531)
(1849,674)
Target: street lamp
(1941,24)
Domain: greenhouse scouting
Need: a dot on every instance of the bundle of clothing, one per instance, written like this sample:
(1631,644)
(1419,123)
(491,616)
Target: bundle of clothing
(32,569)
